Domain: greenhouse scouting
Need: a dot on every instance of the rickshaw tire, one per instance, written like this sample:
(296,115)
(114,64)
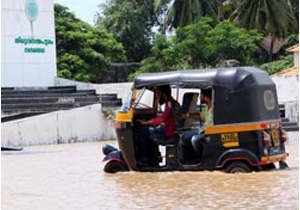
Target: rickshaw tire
(237,167)
(268,167)
(114,167)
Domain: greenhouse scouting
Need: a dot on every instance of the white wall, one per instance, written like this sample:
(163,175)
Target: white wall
(19,67)
(296,58)
(89,123)
(288,94)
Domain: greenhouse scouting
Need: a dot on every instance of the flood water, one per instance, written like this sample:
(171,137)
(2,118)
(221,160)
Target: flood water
(70,176)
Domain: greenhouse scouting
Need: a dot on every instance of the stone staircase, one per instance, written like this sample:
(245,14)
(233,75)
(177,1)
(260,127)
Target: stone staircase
(289,126)
(18,103)
(286,124)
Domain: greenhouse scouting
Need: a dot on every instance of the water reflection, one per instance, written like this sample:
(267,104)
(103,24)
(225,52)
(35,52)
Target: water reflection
(70,177)
(206,190)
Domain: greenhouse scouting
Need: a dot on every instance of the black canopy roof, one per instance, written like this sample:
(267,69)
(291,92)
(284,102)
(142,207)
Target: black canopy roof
(231,78)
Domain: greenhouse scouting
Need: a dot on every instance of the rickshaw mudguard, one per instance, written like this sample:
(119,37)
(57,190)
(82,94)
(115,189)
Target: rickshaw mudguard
(124,132)
(108,149)
(237,154)
(114,155)
(126,145)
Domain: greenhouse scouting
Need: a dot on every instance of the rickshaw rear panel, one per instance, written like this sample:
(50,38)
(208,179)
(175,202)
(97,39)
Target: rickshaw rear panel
(248,145)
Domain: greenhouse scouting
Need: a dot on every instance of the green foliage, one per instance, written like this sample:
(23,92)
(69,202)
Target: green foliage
(131,24)
(201,45)
(291,40)
(84,53)
(183,13)
(232,42)
(163,57)
(272,17)
(193,44)
(295,8)
(283,63)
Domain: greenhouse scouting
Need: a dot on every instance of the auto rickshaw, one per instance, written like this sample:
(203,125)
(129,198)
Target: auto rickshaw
(246,134)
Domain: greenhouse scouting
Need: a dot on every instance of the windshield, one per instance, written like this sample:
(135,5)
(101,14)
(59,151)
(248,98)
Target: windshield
(144,98)
(126,105)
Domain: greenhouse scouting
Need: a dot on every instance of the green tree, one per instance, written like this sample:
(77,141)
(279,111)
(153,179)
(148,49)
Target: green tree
(163,57)
(182,13)
(227,7)
(295,7)
(273,18)
(193,44)
(232,42)
(284,62)
(84,52)
(131,24)
(201,45)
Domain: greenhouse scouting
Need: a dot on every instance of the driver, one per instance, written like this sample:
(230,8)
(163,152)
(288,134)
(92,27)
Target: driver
(163,126)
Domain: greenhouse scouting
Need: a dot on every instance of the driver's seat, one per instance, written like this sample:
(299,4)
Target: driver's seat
(189,104)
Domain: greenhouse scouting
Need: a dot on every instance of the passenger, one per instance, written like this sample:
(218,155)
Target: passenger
(163,126)
(193,137)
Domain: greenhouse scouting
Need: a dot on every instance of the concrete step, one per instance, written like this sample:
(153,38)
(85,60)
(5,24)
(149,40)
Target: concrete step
(19,108)
(108,96)
(284,119)
(110,100)
(7,88)
(10,148)
(49,94)
(61,99)
(19,116)
(43,88)
(62,87)
(286,124)
(112,103)
(291,128)
(38,91)
(29,101)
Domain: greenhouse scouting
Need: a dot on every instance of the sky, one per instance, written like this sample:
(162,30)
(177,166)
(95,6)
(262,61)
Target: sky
(85,10)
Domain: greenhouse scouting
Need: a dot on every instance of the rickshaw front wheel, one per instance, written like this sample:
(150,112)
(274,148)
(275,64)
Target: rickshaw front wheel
(237,167)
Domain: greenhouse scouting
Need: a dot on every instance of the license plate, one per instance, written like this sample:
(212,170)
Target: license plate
(275,138)
(275,150)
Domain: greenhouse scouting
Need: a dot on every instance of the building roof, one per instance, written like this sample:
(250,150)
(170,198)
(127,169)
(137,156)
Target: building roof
(294,48)
(288,72)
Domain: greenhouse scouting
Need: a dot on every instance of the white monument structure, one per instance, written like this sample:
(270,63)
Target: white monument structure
(28,52)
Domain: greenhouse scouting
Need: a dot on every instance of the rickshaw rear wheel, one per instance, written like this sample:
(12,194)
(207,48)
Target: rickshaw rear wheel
(114,167)
(237,167)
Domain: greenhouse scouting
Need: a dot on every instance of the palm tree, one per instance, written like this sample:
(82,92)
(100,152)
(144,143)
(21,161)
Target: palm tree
(185,12)
(273,18)
(226,8)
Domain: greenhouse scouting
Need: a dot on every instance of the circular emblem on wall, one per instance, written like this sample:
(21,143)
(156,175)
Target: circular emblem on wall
(31,10)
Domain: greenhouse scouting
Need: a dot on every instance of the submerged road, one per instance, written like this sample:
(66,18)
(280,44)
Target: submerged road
(70,176)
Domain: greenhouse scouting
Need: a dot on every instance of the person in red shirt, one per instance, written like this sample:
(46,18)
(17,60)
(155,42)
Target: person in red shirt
(163,126)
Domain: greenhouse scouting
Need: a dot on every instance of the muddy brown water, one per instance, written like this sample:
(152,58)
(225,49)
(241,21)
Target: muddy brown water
(70,176)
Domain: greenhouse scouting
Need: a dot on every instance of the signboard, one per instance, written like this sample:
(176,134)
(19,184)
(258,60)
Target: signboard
(28,51)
